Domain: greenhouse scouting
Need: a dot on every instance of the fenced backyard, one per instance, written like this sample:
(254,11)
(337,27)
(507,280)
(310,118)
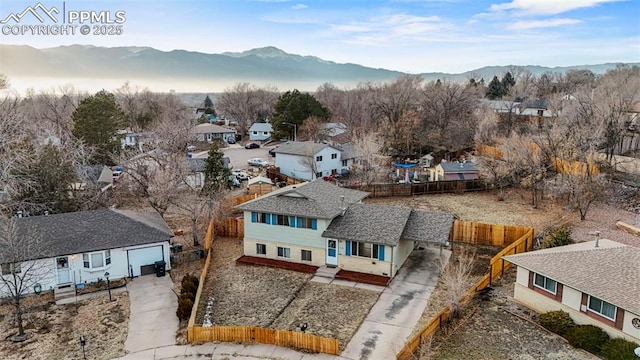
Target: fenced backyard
(496,270)
(433,187)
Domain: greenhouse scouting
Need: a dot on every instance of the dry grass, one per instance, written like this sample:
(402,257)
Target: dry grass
(54,330)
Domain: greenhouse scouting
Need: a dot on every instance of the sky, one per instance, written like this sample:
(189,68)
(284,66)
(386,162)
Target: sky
(412,36)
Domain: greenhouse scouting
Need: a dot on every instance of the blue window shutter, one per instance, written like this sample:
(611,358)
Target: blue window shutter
(348,248)
(292,221)
(381,252)
(268,218)
(314,224)
(254,217)
(298,222)
(274,219)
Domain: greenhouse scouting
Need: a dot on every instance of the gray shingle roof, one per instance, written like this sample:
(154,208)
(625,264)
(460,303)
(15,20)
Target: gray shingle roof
(261,127)
(378,224)
(197,164)
(456,167)
(428,226)
(319,199)
(386,225)
(611,274)
(301,148)
(86,231)
(211,129)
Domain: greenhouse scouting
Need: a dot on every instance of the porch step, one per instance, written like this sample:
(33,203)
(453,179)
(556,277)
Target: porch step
(64,292)
(327,272)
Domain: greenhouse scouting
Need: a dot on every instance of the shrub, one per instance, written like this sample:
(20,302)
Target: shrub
(558,322)
(588,337)
(189,285)
(557,237)
(185,304)
(619,349)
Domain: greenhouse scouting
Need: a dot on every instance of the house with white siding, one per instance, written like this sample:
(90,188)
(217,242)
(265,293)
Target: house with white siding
(260,131)
(321,224)
(596,282)
(308,160)
(80,247)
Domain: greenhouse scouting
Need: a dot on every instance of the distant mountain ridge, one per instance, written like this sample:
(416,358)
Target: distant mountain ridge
(260,65)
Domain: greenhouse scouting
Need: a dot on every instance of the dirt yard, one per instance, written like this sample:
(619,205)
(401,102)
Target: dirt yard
(278,298)
(509,329)
(54,330)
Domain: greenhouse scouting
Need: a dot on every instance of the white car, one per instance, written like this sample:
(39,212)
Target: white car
(240,175)
(258,162)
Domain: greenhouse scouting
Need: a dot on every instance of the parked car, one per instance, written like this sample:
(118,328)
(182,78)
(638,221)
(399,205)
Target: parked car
(231,139)
(251,145)
(240,175)
(272,151)
(191,148)
(258,162)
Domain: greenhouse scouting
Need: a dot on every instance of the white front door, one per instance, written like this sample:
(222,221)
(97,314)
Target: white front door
(332,252)
(62,267)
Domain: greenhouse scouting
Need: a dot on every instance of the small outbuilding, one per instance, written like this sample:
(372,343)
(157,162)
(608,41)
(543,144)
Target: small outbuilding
(260,185)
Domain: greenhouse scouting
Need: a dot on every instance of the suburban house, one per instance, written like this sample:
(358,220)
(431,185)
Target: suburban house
(80,247)
(132,139)
(455,171)
(335,133)
(260,131)
(308,160)
(93,177)
(195,177)
(596,282)
(321,224)
(212,132)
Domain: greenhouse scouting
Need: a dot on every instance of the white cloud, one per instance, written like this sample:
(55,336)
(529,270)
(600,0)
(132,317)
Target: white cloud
(299,6)
(536,24)
(546,7)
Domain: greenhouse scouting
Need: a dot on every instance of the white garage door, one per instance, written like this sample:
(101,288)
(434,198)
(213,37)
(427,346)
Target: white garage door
(144,257)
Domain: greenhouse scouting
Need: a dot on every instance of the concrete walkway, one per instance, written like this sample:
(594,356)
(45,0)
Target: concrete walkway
(153,322)
(391,320)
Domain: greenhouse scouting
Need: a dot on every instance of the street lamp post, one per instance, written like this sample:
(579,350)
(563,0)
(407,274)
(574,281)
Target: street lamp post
(295,130)
(83,342)
(106,275)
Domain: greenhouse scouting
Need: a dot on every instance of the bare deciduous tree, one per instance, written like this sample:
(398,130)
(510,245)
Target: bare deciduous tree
(246,104)
(368,160)
(456,278)
(20,248)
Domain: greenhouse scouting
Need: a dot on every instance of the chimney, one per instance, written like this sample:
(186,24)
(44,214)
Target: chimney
(596,234)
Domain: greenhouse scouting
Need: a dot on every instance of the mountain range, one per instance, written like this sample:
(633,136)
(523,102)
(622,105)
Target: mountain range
(183,70)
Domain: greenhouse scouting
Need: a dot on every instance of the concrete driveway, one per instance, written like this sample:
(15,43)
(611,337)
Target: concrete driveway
(153,322)
(238,155)
(391,320)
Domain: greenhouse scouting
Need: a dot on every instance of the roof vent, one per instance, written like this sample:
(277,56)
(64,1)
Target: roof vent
(596,234)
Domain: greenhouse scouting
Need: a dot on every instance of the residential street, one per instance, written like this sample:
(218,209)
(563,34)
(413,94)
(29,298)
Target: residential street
(238,155)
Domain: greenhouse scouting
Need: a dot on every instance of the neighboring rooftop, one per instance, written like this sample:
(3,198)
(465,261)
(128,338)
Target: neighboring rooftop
(302,148)
(86,231)
(211,129)
(457,167)
(317,198)
(259,180)
(261,127)
(609,272)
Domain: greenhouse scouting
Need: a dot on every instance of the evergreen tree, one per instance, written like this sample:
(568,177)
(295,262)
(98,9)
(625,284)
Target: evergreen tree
(208,104)
(496,89)
(51,176)
(294,107)
(217,177)
(508,82)
(96,122)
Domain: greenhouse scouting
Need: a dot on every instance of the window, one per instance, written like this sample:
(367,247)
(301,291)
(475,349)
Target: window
(261,249)
(319,158)
(334,171)
(319,174)
(262,218)
(96,260)
(306,223)
(283,220)
(255,133)
(344,163)
(545,283)
(305,255)
(265,133)
(364,249)
(334,156)
(602,307)
(284,252)
(11,268)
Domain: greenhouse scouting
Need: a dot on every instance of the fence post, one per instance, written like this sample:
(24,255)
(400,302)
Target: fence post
(502,270)
(490,273)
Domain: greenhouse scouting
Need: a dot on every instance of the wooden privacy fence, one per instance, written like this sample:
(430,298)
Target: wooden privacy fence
(251,334)
(496,270)
(243,199)
(230,227)
(575,167)
(486,234)
(194,309)
(432,187)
